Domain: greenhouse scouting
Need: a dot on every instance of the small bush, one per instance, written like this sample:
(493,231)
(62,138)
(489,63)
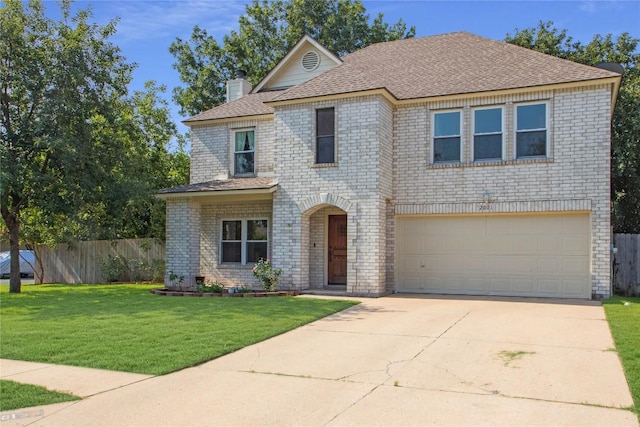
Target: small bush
(212,287)
(118,269)
(156,270)
(114,268)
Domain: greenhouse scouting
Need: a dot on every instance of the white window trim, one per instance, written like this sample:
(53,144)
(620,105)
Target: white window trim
(547,154)
(243,241)
(460,111)
(473,132)
(233,151)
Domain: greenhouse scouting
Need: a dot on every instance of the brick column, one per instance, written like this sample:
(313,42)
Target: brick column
(183,240)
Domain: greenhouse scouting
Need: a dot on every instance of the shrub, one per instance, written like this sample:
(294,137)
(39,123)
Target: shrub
(266,274)
(209,287)
(114,268)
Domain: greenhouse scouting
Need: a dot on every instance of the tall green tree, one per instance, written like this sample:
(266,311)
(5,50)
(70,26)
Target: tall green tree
(62,86)
(267,31)
(625,128)
(127,206)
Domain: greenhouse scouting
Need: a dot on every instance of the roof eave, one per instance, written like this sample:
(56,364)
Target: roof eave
(615,91)
(506,91)
(615,80)
(221,120)
(341,95)
(217,193)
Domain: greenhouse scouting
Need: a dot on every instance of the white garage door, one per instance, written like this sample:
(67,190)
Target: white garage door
(518,255)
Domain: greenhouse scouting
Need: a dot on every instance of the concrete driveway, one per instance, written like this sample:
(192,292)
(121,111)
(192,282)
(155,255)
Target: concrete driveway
(399,360)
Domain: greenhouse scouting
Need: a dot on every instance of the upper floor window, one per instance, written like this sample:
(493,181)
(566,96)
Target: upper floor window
(244,152)
(325,139)
(446,136)
(487,134)
(531,130)
(244,241)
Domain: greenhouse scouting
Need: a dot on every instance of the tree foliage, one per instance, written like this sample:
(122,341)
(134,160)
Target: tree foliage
(267,31)
(625,128)
(77,152)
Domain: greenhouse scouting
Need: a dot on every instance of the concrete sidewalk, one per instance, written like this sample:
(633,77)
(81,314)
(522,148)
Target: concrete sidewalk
(397,360)
(83,382)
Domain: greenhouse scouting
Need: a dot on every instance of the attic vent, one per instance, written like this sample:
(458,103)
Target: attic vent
(310,60)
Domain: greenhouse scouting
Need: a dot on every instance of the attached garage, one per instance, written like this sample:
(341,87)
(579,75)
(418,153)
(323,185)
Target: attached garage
(513,255)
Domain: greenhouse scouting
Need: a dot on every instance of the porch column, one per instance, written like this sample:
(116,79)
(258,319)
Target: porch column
(286,246)
(183,242)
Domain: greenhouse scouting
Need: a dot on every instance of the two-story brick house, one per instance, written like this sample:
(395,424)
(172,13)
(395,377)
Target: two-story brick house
(445,164)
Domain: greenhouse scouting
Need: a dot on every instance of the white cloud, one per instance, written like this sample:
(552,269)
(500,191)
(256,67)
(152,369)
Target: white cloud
(588,7)
(591,7)
(152,20)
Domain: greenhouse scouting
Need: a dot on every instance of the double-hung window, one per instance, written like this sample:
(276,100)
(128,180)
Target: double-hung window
(244,152)
(244,241)
(531,130)
(446,136)
(487,134)
(325,135)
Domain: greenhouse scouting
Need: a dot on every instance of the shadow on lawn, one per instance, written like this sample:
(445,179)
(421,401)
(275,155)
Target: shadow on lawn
(52,302)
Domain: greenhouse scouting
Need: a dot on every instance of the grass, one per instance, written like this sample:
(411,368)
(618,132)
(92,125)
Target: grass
(510,356)
(624,321)
(14,395)
(126,328)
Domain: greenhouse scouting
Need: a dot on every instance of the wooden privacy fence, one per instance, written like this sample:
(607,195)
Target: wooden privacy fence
(626,264)
(84,262)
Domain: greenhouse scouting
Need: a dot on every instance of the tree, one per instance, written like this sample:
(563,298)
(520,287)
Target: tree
(61,84)
(625,128)
(268,30)
(127,206)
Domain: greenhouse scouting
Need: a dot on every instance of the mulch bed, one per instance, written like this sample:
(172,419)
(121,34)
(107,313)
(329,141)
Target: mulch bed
(253,294)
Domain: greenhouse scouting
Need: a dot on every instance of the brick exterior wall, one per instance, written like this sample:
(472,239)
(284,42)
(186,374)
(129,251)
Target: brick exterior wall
(574,178)
(212,149)
(382,170)
(212,217)
(183,235)
(358,183)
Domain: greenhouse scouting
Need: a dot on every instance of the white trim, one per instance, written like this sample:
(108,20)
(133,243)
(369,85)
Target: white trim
(433,113)
(501,133)
(243,239)
(288,56)
(233,150)
(547,128)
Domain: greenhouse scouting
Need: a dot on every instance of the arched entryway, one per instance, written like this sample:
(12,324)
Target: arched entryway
(326,234)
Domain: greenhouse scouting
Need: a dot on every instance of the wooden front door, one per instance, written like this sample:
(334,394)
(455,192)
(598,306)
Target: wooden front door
(337,265)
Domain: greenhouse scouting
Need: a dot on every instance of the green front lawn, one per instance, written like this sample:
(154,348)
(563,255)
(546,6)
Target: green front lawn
(14,395)
(126,328)
(624,321)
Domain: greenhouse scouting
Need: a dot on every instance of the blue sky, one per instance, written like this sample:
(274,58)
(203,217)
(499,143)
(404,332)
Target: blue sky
(147,27)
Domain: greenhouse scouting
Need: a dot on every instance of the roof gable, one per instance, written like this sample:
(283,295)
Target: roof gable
(291,70)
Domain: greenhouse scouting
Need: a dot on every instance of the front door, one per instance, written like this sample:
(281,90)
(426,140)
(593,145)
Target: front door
(337,265)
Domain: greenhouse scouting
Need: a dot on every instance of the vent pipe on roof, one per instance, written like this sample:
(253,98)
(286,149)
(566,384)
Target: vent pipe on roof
(238,87)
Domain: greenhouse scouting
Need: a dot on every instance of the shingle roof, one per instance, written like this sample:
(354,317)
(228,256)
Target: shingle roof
(231,184)
(249,105)
(448,64)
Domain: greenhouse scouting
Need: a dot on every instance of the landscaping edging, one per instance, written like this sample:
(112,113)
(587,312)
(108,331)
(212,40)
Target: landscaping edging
(172,293)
